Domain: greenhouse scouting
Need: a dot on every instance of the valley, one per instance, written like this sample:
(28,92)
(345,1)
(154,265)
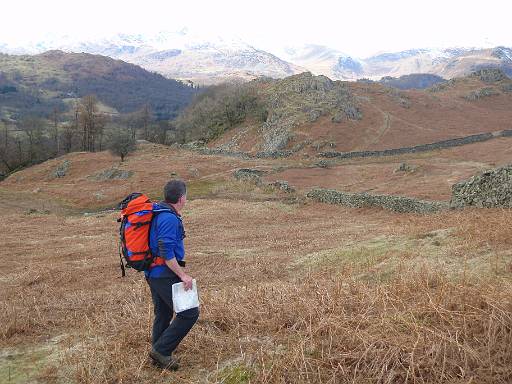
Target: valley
(289,287)
(292,289)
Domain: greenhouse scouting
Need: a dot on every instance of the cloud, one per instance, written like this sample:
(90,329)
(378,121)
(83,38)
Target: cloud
(359,28)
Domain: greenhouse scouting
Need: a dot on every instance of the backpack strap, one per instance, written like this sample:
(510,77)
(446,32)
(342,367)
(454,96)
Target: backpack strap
(123,271)
(158,260)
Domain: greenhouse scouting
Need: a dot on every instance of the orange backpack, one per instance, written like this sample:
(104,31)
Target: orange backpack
(137,214)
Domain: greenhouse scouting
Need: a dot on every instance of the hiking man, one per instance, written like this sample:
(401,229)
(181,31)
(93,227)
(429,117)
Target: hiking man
(166,242)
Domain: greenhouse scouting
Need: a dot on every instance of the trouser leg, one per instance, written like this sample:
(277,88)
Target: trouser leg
(177,330)
(179,327)
(162,312)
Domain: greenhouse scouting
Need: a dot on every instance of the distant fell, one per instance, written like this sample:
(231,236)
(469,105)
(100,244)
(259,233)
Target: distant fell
(413,81)
(447,63)
(36,84)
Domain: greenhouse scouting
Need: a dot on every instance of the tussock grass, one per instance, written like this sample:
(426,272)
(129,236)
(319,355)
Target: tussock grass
(395,304)
(419,328)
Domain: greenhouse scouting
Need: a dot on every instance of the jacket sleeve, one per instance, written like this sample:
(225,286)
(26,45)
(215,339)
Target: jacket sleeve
(167,236)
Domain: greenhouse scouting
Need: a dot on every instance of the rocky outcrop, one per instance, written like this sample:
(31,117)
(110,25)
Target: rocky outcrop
(112,174)
(61,170)
(490,189)
(389,202)
(507,87)
(481,93)
(300,99)
(406,168)
(282,185)
(247,174)
(490,75)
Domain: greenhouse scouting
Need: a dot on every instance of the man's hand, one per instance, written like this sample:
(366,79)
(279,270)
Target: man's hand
(187,280)
(174,266)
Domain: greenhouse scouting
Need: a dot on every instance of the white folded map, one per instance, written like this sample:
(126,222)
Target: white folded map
(183,300)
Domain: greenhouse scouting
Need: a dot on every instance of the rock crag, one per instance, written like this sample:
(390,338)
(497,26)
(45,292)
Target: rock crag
(492,188)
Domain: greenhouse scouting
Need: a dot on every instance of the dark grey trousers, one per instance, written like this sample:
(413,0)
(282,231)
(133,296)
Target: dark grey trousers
(168,334)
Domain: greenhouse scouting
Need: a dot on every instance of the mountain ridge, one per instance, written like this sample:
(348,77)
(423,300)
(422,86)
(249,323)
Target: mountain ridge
(178,55)
(214,59)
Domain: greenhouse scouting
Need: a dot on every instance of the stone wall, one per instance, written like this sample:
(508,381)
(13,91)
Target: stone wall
(350,155)
(389,202)
(419,148)
(490,189)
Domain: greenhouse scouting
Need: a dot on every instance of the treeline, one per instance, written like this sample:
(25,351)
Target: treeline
(34,139)
(217,109)
(84,127)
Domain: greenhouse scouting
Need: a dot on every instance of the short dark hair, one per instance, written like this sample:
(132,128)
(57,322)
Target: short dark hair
(173,190)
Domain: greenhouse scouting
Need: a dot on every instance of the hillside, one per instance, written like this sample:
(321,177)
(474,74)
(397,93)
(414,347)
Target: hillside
(306,114)
(36,84)
(315,292)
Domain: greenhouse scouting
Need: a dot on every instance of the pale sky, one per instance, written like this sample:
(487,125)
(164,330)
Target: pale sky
(358,27)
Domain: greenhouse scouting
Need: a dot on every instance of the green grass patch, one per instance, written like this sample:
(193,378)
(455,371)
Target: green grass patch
(235,374)
(382,258)
(22,366)
(362,255)
(198,189)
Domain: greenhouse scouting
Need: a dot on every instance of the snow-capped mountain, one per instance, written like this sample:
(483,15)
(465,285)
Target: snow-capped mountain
(448,62)
(322,60)
(212,59)
(179,55)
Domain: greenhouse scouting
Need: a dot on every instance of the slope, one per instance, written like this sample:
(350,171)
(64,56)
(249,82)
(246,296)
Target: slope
(305,114)
(35,84)
(289,288)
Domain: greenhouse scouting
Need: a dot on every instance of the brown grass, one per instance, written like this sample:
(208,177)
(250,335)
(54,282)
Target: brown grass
(291,292)
(263,318)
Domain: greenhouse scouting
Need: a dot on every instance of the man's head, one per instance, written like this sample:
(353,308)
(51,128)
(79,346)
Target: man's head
(175,193)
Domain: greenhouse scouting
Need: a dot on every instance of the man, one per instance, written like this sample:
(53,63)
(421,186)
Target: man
(166,242)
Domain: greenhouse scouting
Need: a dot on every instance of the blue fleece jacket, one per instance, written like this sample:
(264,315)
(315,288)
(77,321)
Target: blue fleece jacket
(166,240)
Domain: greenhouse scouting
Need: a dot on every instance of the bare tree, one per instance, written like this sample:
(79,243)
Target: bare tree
(101,121)
(145,119)
(91,122)
(131,121)
(55,116)
(158,132)
(5,149)
(33,128)
(69,132)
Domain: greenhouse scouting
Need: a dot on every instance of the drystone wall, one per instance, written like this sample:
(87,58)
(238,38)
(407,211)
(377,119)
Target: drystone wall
(200,148)
(389,202)
(419,148)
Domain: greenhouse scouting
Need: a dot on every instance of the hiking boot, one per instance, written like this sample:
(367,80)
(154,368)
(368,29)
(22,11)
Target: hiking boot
(164,362)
